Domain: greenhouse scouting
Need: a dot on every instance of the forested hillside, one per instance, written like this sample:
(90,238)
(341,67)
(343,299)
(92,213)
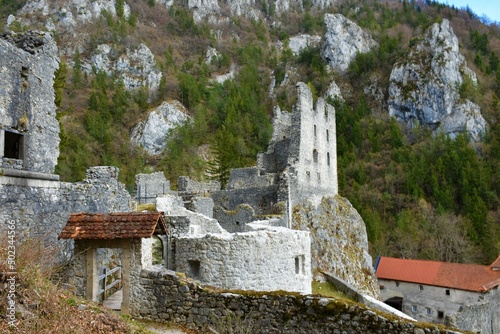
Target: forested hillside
(421,194)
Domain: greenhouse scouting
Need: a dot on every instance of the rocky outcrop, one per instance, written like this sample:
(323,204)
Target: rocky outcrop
(152,134)
(299,42)
(65,16)
(424,86)
(137,67)
(343,40)
(339,243)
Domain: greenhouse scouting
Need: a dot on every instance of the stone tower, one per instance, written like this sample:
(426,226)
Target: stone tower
(29,130)
(312,160)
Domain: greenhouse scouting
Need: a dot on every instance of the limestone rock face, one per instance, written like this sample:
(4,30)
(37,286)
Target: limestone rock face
(152,134)
(343,40)
(299,42)
(339,243)
(137,68)
(67,15)
(424,86)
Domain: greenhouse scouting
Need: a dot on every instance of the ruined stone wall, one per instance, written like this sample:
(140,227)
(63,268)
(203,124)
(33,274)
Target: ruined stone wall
(313,149)
(242,178)
(263,200)
(148,186)
(481,317)
(27,109)
(167,297)
(266,260)
(188,185)
(41,208)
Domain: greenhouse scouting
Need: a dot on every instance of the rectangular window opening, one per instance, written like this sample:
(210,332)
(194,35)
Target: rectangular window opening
(414,308)
(421,287)
(194,268)
(299,265)
(428,311)
(13,145)
(440,314)
(447,292)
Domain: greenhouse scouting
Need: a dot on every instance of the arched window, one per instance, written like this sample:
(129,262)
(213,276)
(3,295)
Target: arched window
(315,156)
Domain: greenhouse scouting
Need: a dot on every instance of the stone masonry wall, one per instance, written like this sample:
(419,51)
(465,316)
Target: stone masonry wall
(42,208)
(266,260)
(27,65)
(168,297)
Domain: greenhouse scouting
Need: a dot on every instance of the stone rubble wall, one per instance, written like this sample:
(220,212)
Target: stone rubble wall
(42,210)
(169,298)
(27,65)
(148,186)
(266,260)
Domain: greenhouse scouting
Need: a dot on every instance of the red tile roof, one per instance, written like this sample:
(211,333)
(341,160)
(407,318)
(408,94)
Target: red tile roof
(470,277)
(114,225)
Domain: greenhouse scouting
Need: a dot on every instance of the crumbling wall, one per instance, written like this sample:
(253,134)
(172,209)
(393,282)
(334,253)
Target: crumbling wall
(27,110)
(266,260)
(148,186)
(41,208)
(480,317)
(313,149)
(170,298)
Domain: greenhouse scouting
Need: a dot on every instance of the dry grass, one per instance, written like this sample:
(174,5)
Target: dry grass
(41,306)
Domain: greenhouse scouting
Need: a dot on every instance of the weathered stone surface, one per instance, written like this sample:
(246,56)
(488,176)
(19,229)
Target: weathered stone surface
(186,303)
(424,86)
(27,65)
(299,42)
(339,241)
(41,209)
(242,261)
(153,133)
(137,67)
(67,15)
(343,40)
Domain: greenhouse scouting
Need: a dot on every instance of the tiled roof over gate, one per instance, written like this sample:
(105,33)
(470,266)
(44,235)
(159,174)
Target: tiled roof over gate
(470,277)
(114,225)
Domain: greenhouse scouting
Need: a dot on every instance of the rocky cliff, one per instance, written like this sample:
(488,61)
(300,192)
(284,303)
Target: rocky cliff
(343,40)
(424,86)
(339,243)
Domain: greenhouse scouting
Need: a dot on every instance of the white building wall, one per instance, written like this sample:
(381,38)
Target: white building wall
(425,302)
(266,260)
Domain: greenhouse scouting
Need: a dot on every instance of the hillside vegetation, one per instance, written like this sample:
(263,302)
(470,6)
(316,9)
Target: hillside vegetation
(421,196)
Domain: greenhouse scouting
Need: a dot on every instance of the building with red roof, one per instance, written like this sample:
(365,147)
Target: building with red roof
(466,296)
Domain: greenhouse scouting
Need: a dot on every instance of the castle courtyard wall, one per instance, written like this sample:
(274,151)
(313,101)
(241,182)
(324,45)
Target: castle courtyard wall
(169,298)
(265,260)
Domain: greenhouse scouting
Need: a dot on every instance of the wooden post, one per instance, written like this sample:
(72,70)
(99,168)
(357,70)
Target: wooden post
(92,283)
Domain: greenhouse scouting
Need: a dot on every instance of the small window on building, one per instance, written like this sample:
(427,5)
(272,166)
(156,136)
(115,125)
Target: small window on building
(315,156)
(414,308)
(328,158)
(318,175)
(194,268)
(421,287)
(447,292)
(327,135)
(299,265)
(308,174)
(397,283)
(314,130)
(13,145)
(428,311)
(440,314)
